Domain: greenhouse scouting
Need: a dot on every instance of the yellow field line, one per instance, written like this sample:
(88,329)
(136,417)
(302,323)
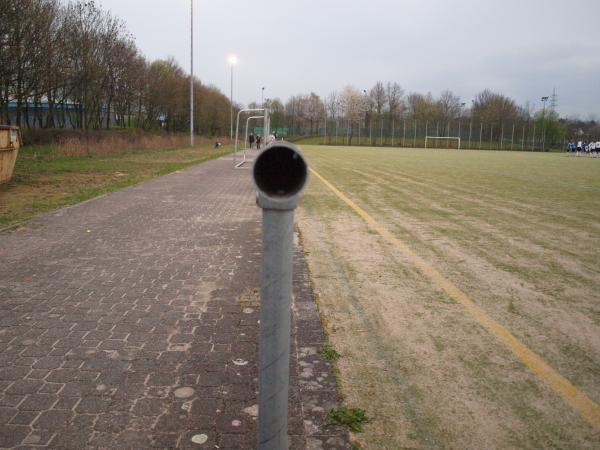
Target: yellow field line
(573,396)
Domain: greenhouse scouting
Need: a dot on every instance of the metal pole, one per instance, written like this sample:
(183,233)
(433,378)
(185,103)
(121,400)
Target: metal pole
(266,127)
(470,133)
(415,136)
(325,139)
(512,137)
(191,73)
(359,132)
(491,135)
(533,143)
(393,131)
(280,174)
(502,137)
(231,103)
(480,135)
(237,127)
(523,139)
(404,133)
(348,132)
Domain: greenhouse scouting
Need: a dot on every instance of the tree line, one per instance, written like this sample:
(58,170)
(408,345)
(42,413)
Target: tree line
(385,110)
(75,65)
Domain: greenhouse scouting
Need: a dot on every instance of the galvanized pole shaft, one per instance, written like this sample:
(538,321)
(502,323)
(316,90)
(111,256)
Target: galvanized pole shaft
(512,137)
(280,174)
(470,133)
(276,281)
(191,73)
(231,105)
(415,135)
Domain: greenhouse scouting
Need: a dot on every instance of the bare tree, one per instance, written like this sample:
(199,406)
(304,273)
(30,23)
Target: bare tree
(352,102)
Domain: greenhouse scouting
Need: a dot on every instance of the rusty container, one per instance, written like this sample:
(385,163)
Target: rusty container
(10,141)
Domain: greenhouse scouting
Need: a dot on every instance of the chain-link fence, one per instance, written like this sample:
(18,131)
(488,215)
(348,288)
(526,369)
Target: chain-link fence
(523,136)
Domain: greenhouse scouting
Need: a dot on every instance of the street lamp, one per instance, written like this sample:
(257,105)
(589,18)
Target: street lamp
(544,100)
(232,62)
(191,73)
(262,97)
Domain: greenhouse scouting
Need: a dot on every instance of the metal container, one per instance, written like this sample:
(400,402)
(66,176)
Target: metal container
(10,142)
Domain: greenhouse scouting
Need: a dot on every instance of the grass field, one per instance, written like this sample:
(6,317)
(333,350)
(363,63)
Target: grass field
(43,181)
(518,233)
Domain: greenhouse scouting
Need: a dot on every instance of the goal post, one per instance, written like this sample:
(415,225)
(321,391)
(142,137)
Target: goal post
(448,138)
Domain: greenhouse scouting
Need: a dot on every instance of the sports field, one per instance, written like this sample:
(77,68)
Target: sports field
(462,289)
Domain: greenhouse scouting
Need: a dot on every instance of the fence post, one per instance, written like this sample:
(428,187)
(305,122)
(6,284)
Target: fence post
(512,137)
(280,174)
(470,133)
(415,136)
(480,135)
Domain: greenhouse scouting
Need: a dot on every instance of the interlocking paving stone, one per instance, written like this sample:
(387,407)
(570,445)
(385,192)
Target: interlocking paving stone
(131,321)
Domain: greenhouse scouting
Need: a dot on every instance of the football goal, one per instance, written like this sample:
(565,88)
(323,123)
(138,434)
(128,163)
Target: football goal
(445,140)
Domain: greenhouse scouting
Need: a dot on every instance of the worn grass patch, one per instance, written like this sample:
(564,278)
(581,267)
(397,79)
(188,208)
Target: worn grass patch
(43,182)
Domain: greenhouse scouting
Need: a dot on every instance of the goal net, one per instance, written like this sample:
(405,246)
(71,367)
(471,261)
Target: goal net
(442,142)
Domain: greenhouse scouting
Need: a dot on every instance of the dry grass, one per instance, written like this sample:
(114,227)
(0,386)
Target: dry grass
(519,233)
(118,143)
(46,179)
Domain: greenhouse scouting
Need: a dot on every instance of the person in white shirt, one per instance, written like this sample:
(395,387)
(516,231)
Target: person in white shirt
(579,145)
(592,149)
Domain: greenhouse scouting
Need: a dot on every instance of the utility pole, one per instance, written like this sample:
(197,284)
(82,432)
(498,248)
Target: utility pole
(232,62)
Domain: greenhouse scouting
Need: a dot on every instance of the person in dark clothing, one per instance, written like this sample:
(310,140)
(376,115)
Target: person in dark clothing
(251,140)
(258,139)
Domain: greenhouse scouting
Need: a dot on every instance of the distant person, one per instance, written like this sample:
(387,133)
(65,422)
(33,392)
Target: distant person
(592,147)
(271,138)
(217,145)
(586,147)
(570,147)
(598,149)
(258,139)
(251,140)
(579,145)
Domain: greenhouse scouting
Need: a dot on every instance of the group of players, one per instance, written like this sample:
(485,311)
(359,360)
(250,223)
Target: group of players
(591,149)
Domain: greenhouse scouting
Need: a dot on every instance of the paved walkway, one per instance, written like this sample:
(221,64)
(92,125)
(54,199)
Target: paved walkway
(131,321)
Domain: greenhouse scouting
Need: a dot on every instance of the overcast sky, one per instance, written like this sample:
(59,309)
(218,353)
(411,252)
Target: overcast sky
(521,48)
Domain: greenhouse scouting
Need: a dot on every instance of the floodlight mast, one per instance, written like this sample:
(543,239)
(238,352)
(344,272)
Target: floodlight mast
(191,73)
(544,100)
(232,62)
